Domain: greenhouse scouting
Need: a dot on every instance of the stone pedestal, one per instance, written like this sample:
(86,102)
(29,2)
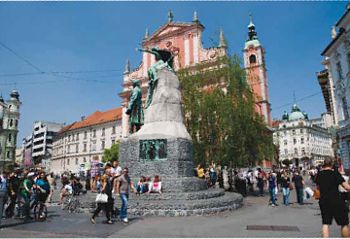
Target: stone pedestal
(164,147)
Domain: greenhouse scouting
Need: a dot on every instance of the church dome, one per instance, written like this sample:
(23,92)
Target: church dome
(296,113)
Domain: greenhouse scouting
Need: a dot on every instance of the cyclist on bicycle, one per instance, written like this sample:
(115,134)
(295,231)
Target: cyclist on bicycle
(42,187)
(66,190)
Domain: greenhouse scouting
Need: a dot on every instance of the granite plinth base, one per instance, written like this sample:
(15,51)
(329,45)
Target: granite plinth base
(176,171)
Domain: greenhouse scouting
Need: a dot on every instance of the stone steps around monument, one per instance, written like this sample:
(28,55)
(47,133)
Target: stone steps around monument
(198,195)
(229,201)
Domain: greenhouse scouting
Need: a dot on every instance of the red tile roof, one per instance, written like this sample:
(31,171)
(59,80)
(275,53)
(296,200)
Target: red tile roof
(94,119)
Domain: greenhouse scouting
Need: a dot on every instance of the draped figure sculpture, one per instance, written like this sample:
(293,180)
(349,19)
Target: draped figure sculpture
(135,110)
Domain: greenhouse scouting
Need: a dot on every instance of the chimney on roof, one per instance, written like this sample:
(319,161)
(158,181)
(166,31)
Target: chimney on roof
(82,117)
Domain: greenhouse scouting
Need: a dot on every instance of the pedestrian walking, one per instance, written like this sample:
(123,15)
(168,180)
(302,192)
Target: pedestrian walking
(123,187)
(13,190)
(331,203)
(3,191)
(286,186)
(260,182)
(52,182)
(272,188)
(26,192)
(299,187)
(107,187)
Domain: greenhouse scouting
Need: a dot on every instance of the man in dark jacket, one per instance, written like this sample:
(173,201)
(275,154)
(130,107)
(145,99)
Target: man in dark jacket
(331,203)
(299,187)
(13,190)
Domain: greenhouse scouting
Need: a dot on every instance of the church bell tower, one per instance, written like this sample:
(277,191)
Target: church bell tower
(254,63)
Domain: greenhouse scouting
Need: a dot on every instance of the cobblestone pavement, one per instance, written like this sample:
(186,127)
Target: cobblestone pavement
(281,221)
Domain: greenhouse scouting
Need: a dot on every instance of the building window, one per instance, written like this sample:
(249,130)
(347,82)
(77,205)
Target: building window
(103,132)
(85,146)
(68,148)
(11,122)
(252,59)
(85,135)
(296,151)
(303,151)
(102,144)
(68,161)
(10,137)
(286,151)
(285,142)
(113,141)
(293,131)
(8,154)
(94,133)
(345,108)
(84,159)
(77,136)
(113,130)
(302,140)
(301,131)
(294,141)
(76,148)
(69,139)
(339,70)
(76,161)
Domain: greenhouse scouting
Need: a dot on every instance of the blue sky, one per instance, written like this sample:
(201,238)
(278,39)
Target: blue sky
(89,36)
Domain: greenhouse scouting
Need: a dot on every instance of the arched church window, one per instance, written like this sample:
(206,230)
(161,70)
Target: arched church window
(11,122)
(252,59)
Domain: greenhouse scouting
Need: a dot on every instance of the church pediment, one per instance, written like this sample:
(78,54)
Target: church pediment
(170,28)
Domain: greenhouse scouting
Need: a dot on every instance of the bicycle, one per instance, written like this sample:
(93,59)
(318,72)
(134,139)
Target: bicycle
(72,204)
(39,206)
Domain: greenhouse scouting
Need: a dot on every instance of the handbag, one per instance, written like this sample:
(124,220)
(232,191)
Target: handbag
(101,198)
(291,187)
(317,194)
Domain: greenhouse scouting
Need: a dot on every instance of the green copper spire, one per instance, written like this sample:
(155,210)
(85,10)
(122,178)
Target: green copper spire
(252,34)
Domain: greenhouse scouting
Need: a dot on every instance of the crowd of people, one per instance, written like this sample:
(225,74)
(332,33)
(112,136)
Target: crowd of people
(20,187)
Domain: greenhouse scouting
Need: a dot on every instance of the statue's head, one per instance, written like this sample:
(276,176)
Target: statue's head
(135,83)
(155,50)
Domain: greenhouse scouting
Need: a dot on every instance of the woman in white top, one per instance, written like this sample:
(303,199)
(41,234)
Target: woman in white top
(156,185)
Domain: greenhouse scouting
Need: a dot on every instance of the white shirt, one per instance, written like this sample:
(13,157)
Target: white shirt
(69,188)
(117,171)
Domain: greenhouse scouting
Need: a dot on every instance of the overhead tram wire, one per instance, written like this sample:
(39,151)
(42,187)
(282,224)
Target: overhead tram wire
(301,99)
(21,57)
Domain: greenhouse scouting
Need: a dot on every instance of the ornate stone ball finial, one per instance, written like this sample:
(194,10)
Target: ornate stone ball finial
(195,17)
(170,16)
(127,67)
(146,33)
(222,39)
(334,32)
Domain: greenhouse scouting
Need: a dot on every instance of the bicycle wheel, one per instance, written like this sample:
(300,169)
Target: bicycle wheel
(43,212)
(36,211)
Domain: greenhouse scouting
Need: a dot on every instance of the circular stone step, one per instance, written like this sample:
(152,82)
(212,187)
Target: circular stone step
(203,194)
(229,201)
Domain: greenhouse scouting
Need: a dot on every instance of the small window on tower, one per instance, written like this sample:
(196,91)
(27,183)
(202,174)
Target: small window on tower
(252,59)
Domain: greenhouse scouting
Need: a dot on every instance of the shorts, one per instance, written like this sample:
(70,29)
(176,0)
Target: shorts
(337,211)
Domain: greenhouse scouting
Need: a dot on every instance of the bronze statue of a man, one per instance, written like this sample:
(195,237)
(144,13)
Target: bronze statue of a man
(164,58)
(135,110)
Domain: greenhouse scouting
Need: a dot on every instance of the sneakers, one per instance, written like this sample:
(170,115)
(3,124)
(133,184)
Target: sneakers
(125,220)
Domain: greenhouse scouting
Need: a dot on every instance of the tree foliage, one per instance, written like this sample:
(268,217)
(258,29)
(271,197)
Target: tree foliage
(111,154)
(220,116)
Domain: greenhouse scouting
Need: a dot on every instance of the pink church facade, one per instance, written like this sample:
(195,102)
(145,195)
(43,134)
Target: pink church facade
(184,40)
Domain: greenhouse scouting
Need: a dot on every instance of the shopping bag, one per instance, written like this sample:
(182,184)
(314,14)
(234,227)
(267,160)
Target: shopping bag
(101,198)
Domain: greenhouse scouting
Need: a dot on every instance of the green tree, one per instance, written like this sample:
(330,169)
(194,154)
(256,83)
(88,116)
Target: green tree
(220,115)
(111,154)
